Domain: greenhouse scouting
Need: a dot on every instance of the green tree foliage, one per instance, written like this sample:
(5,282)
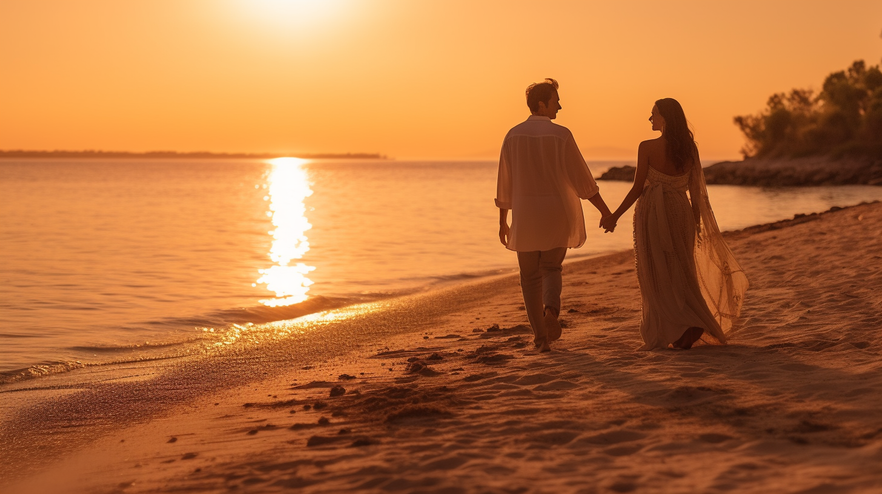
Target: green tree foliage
(845,118)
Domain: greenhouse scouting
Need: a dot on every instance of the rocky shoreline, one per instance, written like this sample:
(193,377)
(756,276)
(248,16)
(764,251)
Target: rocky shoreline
(810,171)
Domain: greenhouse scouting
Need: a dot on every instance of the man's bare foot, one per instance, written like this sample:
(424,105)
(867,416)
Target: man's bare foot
(690,336)
(551,324)
(540,337)
(544,347)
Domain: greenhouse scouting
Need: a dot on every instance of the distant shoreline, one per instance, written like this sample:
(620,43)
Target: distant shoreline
(793,172)
(18,153)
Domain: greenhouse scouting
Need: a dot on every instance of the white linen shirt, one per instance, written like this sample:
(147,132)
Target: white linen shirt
(542,177)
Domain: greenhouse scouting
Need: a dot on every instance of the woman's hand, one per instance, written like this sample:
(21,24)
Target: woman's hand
(608,223)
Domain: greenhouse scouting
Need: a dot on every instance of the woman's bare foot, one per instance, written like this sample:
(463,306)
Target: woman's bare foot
(690,336)
(552,326)
(543,347)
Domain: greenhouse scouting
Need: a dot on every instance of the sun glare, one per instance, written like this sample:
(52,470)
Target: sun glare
(298,15)
(288,188)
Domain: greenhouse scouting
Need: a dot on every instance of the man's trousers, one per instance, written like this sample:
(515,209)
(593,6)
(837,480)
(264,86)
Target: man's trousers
(541,284)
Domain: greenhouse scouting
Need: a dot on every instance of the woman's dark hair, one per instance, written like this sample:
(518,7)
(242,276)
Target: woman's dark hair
(681,143)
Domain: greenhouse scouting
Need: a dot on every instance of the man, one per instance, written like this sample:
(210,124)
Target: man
(542,177)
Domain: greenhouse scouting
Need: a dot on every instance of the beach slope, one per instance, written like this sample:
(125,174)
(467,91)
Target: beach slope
(463,404)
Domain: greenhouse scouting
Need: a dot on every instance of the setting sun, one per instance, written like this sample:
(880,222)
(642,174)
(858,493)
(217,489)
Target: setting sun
(293,16)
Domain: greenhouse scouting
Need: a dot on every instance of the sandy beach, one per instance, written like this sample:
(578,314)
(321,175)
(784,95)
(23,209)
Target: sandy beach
(444,393)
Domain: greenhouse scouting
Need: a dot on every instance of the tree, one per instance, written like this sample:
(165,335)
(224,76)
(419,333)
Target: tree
(845,117)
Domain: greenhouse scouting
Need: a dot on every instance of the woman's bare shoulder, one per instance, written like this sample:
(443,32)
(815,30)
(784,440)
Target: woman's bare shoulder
(652,144)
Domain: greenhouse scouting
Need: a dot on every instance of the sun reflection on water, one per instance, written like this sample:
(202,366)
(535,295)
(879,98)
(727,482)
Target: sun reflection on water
(288,188)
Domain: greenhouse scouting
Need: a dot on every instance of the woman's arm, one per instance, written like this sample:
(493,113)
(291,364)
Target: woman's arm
(609,223)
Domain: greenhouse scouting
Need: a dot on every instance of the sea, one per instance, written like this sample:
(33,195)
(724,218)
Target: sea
(107,260)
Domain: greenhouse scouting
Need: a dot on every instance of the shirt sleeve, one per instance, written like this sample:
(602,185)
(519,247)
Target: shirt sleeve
(578,172)
(503,180)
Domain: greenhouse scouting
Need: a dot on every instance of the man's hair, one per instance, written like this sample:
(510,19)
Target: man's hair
(540,91)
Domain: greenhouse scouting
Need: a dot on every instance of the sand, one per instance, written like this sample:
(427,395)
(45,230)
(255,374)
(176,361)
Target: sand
(461,402)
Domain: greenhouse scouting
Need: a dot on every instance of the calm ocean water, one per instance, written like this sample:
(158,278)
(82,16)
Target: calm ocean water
(111,261)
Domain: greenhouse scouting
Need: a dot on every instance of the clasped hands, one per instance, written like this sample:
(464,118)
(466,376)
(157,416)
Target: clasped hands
(608,223)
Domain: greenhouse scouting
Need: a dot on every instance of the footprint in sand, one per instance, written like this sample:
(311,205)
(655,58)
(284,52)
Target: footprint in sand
(623,487)
(714,438)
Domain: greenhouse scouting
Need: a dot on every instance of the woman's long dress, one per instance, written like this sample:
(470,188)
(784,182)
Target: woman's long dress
(684,282)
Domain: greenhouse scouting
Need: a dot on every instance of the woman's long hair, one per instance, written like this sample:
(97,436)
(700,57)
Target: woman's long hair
(681,142)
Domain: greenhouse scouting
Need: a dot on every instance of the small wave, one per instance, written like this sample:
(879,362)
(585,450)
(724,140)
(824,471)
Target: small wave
(54,368)
(260,314)
(220,323)
(39,370)
(135,346)
(183,343)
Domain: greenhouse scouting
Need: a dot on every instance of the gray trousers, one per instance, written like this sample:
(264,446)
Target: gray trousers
(541,284)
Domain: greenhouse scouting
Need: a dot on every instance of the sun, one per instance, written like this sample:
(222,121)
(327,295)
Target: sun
(302,15)
(293,8)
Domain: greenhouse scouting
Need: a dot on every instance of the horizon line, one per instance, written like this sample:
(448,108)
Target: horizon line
(100,153)
(165,154)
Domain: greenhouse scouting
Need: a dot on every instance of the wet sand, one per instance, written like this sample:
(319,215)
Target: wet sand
(443,393)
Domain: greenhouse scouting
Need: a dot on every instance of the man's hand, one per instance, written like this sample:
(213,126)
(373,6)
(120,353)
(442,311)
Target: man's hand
(608,223)
(504,233)
(504,230)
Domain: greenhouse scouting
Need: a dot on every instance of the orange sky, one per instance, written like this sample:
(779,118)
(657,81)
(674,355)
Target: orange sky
(411,79)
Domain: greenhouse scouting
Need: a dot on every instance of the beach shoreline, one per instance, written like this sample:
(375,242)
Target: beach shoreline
(459,402)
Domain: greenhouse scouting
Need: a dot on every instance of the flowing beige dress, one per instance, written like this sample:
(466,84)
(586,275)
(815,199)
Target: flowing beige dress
(686,280)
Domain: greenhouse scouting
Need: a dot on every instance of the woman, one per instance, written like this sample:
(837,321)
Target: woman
(692,287)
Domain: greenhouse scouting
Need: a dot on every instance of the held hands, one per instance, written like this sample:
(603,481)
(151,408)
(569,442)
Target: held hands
(608,223)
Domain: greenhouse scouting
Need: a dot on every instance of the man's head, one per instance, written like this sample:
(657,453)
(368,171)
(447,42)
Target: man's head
(542,98)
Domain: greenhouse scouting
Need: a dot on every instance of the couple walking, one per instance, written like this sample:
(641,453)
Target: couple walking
(690,284)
